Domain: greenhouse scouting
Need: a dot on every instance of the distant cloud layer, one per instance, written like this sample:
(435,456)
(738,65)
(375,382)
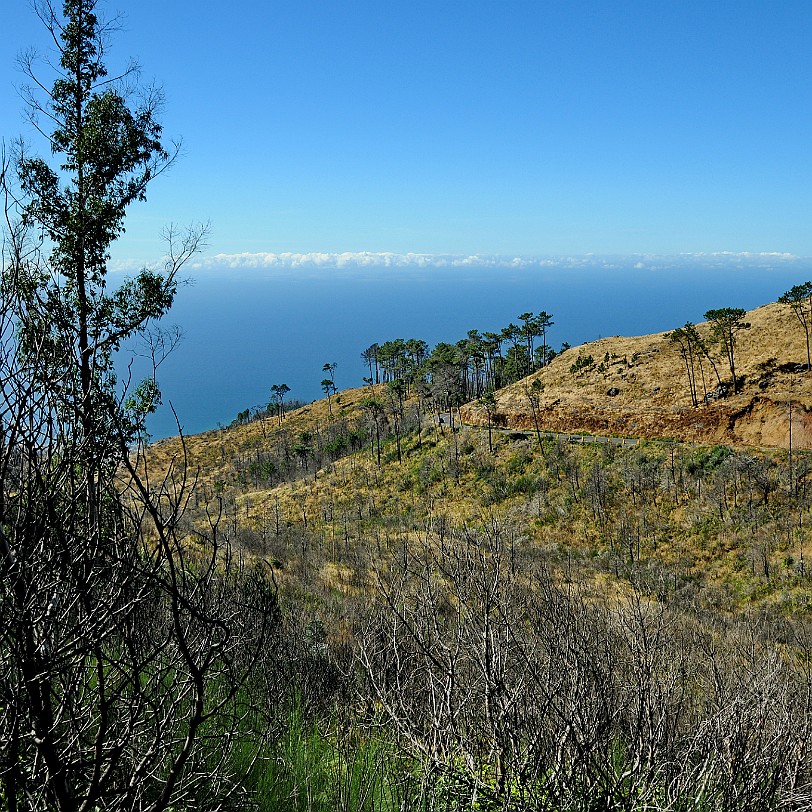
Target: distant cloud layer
(369,260)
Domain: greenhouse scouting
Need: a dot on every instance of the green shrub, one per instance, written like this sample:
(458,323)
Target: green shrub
(582,362)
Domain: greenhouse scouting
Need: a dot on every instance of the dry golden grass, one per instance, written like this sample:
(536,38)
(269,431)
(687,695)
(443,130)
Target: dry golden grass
(341,524)
(211,454)
(653,398)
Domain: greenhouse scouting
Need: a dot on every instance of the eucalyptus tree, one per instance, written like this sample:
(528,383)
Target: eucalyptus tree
(108,154)
(120,651)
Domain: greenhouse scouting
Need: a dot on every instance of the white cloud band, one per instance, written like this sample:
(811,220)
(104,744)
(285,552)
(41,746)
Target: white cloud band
(359,260)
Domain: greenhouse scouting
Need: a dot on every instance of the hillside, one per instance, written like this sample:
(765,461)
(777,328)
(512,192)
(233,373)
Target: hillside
(638,387)
(424,573)
(312,495)
(310,491)
(212,455)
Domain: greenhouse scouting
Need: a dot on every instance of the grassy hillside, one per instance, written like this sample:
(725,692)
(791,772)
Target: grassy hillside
(725,527)
(638,387)
(497,620)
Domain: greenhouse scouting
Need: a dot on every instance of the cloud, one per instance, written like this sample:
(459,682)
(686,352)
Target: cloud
(349,261)
(389,260)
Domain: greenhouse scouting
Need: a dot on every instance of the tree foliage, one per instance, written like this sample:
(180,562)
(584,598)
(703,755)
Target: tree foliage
(465,370)
(725,324)
(691,350)
(124,645)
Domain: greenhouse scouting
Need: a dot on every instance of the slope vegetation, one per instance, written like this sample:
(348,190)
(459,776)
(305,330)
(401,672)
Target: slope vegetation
(638,387)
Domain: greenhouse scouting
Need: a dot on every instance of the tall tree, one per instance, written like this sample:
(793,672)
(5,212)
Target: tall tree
(330,370)
(493,351)
(533,392)
(417,350)
(108,154)
(725,323)
(396,391)
(512,333)
(488,402)
(119,648)
(328,385)
(376,413)
(529,332)
(544,321)
(690,344)
(329,388)
(799,299)
(370,356)
(278,392)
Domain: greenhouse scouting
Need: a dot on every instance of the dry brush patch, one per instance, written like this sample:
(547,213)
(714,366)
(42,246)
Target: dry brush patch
(721,524)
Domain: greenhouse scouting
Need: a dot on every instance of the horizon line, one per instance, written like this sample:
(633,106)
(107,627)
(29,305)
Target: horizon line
(370,260)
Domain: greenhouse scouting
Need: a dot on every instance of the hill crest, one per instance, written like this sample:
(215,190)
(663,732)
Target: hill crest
(638,387)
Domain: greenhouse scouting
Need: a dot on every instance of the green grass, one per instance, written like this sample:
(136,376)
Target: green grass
(312,768)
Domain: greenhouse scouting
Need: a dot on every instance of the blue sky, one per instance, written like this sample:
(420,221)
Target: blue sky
(498,127)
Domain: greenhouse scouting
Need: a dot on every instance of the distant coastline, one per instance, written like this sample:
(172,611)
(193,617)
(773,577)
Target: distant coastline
(250,327)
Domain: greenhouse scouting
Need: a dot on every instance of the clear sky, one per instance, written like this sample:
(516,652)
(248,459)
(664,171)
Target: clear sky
(499,127)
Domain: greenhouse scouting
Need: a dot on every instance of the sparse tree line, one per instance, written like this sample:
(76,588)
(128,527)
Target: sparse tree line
(406,384)
(384,419)
(452,374)
(276,408)
(466,369)
(704,350)
(448,374)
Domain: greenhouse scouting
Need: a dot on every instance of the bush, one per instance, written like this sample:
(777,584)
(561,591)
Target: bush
(583,362)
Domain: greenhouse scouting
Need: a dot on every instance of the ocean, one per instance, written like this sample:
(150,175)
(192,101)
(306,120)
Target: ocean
(247,329)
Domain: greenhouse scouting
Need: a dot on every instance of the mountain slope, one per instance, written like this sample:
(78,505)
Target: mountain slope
(638,387)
